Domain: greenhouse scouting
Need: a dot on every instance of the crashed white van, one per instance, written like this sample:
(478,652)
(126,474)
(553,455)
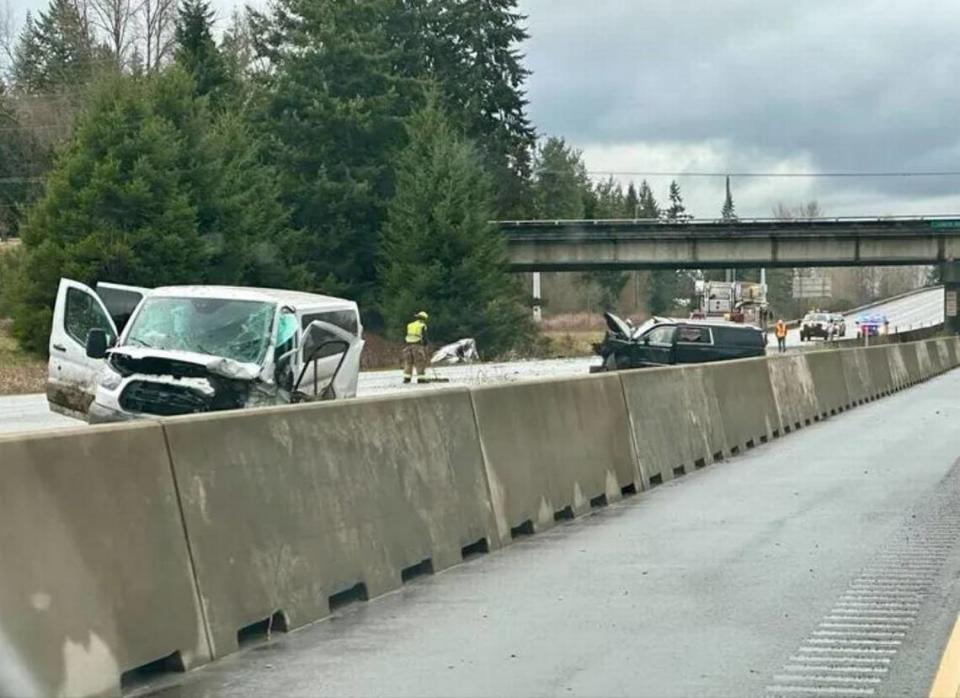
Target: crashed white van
(120,352)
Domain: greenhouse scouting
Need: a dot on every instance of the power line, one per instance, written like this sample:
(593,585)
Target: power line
(620,173)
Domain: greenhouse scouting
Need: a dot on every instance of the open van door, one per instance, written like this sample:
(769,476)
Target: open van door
(120,301)
(330,362)
(72,375)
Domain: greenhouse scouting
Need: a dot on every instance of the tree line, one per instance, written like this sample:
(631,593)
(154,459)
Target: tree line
(356,149)
(350,148)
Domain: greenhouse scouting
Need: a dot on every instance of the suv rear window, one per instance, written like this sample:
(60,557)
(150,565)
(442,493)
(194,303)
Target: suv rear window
(694,335)
(738,336)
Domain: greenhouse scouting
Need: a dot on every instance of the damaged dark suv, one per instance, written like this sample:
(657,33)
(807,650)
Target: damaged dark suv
(121,352)
(665,342)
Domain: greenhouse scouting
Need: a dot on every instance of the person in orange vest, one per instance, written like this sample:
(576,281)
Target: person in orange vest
(781,331)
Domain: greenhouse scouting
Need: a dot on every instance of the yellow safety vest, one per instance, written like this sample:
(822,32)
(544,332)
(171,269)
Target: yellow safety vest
(415,332)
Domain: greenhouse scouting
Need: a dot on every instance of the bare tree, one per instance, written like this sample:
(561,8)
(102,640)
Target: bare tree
(116,20)
(7,37)
(158,21)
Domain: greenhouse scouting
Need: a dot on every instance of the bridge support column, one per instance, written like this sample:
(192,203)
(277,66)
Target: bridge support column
(950,273)
(537,308)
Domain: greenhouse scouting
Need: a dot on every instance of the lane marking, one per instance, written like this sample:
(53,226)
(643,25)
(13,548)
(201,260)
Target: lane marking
(946,684)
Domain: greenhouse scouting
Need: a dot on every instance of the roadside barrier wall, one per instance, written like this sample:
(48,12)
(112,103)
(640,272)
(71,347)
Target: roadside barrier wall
(659,400)
(857,377)
(794,391)
(747,405)
(95,578)
(291,510)
(172,542)
(553,449)
(829,381)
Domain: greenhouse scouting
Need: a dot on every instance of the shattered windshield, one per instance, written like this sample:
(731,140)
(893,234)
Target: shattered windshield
(234,329)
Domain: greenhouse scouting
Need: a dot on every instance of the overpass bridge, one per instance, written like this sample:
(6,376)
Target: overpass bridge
(585,245)
(591,245)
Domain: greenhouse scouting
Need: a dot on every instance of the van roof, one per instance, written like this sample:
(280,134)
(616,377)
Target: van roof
(294,299)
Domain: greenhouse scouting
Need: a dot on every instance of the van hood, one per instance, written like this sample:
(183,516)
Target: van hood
(159,361)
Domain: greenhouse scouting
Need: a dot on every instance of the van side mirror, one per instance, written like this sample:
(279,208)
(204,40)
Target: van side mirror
(646,341)
(97,343)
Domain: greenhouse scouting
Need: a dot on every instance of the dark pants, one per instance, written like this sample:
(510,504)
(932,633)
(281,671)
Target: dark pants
(782,344)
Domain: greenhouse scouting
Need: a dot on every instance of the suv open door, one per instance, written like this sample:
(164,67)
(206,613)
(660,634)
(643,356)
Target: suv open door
(71,374)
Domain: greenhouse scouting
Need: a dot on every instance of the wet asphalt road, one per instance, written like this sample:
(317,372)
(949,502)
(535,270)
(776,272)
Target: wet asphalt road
(824,560)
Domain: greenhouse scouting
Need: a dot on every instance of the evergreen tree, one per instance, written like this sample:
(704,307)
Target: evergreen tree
(439,251)
(631,203)
(473,53)
(728,213)
(57,51)
(335,107)
(149,192)
(677,213)
(197,52)
(649,208)
(560,183)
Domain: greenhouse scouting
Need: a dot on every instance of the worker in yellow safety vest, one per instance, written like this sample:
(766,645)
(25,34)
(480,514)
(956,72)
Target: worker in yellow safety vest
(415,352)
(781,330)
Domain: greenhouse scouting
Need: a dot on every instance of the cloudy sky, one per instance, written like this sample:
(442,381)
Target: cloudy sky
(749,86)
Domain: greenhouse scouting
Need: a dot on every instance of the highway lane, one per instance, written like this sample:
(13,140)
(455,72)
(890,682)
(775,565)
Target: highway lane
(922,309)
(822,563)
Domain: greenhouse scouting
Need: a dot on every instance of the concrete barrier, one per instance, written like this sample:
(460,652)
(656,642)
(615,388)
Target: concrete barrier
(826,368)
(881,376)
(747,406)
(554,448)
(899,375)
(794,391)
(292,510)
(95,577)
(939,356)
(675,420)
(911,359)
(925,361)
(952,345)
(857,376)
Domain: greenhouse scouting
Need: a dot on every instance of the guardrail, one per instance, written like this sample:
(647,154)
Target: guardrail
(170,543)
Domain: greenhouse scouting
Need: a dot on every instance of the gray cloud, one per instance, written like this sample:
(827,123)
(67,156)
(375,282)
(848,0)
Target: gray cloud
(858,85)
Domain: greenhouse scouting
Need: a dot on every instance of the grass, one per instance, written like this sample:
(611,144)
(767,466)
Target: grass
(20,373)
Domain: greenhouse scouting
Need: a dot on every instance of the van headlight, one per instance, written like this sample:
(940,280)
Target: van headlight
(110,379)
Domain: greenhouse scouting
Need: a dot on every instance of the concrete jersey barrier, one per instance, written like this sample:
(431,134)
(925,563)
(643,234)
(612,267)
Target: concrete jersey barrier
(794,391)
(554,448)
(291,510)
(95,578)
(662,399)
(826,369)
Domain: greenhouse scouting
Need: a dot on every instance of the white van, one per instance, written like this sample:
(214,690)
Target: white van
(121,352)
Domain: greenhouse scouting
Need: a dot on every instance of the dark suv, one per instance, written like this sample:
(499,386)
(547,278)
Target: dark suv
(663,342)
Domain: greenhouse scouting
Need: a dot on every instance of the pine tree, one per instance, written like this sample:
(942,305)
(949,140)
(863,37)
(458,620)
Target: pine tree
(728,213)
(197,52)
(57,51)
(474,56)
(560,183)
(335,108)
(649,208)
(677,213)
(439,251)
(151,191)
(631,203)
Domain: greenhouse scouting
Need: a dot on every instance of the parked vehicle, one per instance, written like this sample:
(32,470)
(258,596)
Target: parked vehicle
(664,342)
(871,325)
(839,325)
(816,325)
(122,352)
